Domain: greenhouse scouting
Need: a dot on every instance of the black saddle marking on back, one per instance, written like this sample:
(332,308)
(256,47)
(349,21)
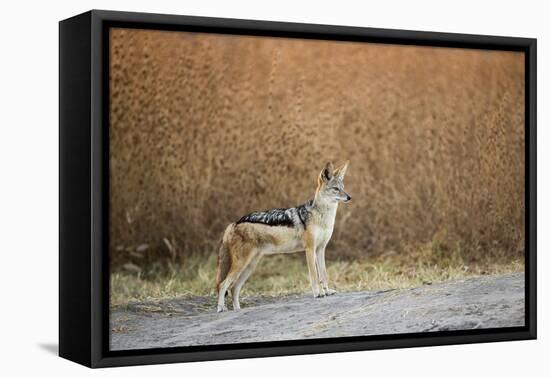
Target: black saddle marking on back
(275,217)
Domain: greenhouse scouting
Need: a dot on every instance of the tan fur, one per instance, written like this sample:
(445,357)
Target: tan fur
(244,244)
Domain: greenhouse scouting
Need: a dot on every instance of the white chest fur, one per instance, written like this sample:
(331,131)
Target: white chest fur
(323,224)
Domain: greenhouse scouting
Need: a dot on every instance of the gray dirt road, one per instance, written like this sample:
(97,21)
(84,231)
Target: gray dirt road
(482,302)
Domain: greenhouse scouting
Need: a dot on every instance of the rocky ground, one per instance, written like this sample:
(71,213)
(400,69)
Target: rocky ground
(482,302)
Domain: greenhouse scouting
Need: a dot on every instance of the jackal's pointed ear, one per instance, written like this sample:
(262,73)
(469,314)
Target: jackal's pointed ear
(327,173)
(341,171)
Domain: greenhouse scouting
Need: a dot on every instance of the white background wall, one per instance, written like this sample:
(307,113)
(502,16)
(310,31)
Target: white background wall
(29,186)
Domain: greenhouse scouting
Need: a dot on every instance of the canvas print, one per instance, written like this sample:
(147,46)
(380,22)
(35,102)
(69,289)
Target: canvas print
(268,189)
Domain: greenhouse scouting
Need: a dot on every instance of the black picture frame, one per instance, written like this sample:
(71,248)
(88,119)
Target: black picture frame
(84,189)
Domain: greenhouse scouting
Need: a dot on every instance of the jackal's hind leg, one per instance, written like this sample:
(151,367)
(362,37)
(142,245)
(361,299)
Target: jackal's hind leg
(229,279)
(241,280)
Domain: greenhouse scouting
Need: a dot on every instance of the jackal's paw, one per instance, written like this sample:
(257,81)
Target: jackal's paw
(222,308)
(330,291)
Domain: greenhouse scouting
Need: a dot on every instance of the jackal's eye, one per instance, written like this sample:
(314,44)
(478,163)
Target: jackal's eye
(335,189)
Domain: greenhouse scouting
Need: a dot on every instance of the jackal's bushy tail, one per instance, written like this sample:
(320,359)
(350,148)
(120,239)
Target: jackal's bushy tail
(224,262)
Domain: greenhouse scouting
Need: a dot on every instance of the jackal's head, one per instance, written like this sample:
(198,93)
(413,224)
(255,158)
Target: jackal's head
(330,186)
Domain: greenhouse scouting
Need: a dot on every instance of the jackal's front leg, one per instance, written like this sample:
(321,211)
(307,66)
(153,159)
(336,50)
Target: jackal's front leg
(313,273)
(323,276)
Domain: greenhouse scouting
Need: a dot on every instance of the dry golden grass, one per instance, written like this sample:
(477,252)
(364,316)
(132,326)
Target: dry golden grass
(206,128)
(287,274)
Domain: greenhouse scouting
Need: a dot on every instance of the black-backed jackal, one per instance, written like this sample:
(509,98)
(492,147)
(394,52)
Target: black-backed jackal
(307,227)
